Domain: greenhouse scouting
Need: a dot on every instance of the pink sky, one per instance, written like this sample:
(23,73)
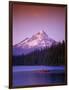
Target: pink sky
(30,19)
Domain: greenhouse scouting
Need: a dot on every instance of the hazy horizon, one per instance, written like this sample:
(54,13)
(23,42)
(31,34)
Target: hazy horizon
(30,19)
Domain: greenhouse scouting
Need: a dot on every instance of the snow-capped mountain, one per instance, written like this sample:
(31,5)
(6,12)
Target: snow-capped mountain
(37,41)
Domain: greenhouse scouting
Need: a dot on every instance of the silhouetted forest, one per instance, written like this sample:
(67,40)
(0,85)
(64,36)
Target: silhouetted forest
(54,55)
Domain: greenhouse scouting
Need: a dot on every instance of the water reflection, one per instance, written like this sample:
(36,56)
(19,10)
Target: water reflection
(25,78)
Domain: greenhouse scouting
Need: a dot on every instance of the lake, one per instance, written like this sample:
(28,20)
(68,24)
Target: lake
(38,75)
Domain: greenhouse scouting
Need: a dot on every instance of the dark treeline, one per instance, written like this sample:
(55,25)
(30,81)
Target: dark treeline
(54,55)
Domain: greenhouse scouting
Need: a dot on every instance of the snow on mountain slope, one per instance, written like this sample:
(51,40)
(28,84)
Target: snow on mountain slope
(38,40)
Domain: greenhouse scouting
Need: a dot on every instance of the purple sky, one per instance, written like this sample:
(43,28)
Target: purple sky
(30,19)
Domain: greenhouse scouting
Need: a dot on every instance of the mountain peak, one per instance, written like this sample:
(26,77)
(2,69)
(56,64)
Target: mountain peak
(41,32)
(40,35)
(38,40)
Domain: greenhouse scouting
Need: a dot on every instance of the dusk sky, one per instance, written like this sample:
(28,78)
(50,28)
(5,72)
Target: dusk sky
(30,19)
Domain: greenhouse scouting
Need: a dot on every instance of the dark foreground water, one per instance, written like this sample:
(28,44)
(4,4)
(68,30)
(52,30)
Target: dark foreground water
(38,75)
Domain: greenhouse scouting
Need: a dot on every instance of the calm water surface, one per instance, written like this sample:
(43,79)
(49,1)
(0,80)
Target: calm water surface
(38,75)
